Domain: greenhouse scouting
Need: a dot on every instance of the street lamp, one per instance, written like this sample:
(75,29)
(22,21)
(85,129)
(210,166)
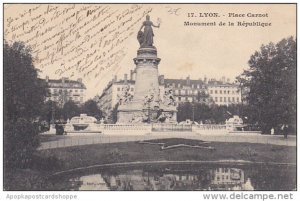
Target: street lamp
(240,81)
(193,111)
(241,89)
(52,121)
(149,112)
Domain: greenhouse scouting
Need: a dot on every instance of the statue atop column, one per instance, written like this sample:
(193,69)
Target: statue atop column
(146,106)
(146,38)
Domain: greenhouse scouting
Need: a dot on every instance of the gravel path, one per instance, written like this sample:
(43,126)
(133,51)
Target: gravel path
(51,141)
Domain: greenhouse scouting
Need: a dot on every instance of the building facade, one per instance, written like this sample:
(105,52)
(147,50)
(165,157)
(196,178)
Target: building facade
(113,92)
(187,90)
(204,91)
(64,90)
(224,93)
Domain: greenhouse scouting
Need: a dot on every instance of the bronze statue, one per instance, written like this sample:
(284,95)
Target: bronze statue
(146,38)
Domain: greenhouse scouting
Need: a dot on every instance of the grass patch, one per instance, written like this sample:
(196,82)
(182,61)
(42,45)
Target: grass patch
(175,143)
(49,138)
(53,160)
(81,156)
(23,179)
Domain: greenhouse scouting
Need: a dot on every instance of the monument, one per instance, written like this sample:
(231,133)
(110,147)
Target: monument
(146,105)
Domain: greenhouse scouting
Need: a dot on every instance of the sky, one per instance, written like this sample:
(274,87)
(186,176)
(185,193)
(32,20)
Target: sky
(67,40)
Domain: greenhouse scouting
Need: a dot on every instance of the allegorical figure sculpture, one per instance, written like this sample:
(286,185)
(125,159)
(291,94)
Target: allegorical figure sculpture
(146,38)
(126,96)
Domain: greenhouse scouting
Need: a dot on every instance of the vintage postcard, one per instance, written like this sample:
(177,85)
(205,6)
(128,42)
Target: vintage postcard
(150,97)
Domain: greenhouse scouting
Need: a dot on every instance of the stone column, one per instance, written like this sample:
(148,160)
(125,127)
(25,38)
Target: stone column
(146,74)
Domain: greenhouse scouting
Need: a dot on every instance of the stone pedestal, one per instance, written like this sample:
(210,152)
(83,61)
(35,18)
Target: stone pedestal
(146,74)
(52,130)
(68,127)
(146,99)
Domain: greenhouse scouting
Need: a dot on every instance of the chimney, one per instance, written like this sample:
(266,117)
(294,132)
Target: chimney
(228,80)
(125,78)
(47,78)
(188,80)
(63,80)
(79,80)
(131,74)
(115,78)
(205,80)
(162,79)
(223,79)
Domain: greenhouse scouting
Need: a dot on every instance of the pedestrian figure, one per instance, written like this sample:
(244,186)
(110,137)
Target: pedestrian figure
(272,131)
(285,131)
(281,129)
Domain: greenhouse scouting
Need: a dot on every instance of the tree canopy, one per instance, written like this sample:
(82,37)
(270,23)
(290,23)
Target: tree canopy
(90,108)
(114,114)
(209,114)
(70,109)
(272,82)
(24,92)
(24,95)
(51,109)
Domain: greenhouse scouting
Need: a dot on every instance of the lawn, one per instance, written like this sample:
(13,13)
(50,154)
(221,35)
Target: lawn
(49,161)
(82,156)
(47,138)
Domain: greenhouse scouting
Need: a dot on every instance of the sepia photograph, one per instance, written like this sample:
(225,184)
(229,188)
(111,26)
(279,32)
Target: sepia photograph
(150,97)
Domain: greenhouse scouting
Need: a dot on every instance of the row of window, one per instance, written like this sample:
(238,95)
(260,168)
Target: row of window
(186,92)
(185,98)
(190,99)
(223,91)
(216,99)
(190,92)
(55,98)
(120,89)
(66,85)
(66,90)
(226,99)
(223,170)
(198,86)
(223,178)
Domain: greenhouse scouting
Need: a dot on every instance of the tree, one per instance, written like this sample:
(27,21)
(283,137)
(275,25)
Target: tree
(21,141)
(185,111)
(272,83)
(210,114)
(24,95)
(51,108)
(70,109)
(114,113)
(219,113)
(90,108)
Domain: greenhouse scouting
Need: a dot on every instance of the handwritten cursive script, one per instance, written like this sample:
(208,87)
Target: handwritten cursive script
(75,39)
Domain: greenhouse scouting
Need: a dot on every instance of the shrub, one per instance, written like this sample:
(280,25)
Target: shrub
(45,163)
(21,140)
(59,129)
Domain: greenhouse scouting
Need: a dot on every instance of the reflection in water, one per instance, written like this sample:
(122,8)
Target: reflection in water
(229,179)
(215,179)
(180,177)
(90,182)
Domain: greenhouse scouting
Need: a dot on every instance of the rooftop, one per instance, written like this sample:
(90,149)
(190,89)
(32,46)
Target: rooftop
(60,83)
(184,82)
(123,81)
